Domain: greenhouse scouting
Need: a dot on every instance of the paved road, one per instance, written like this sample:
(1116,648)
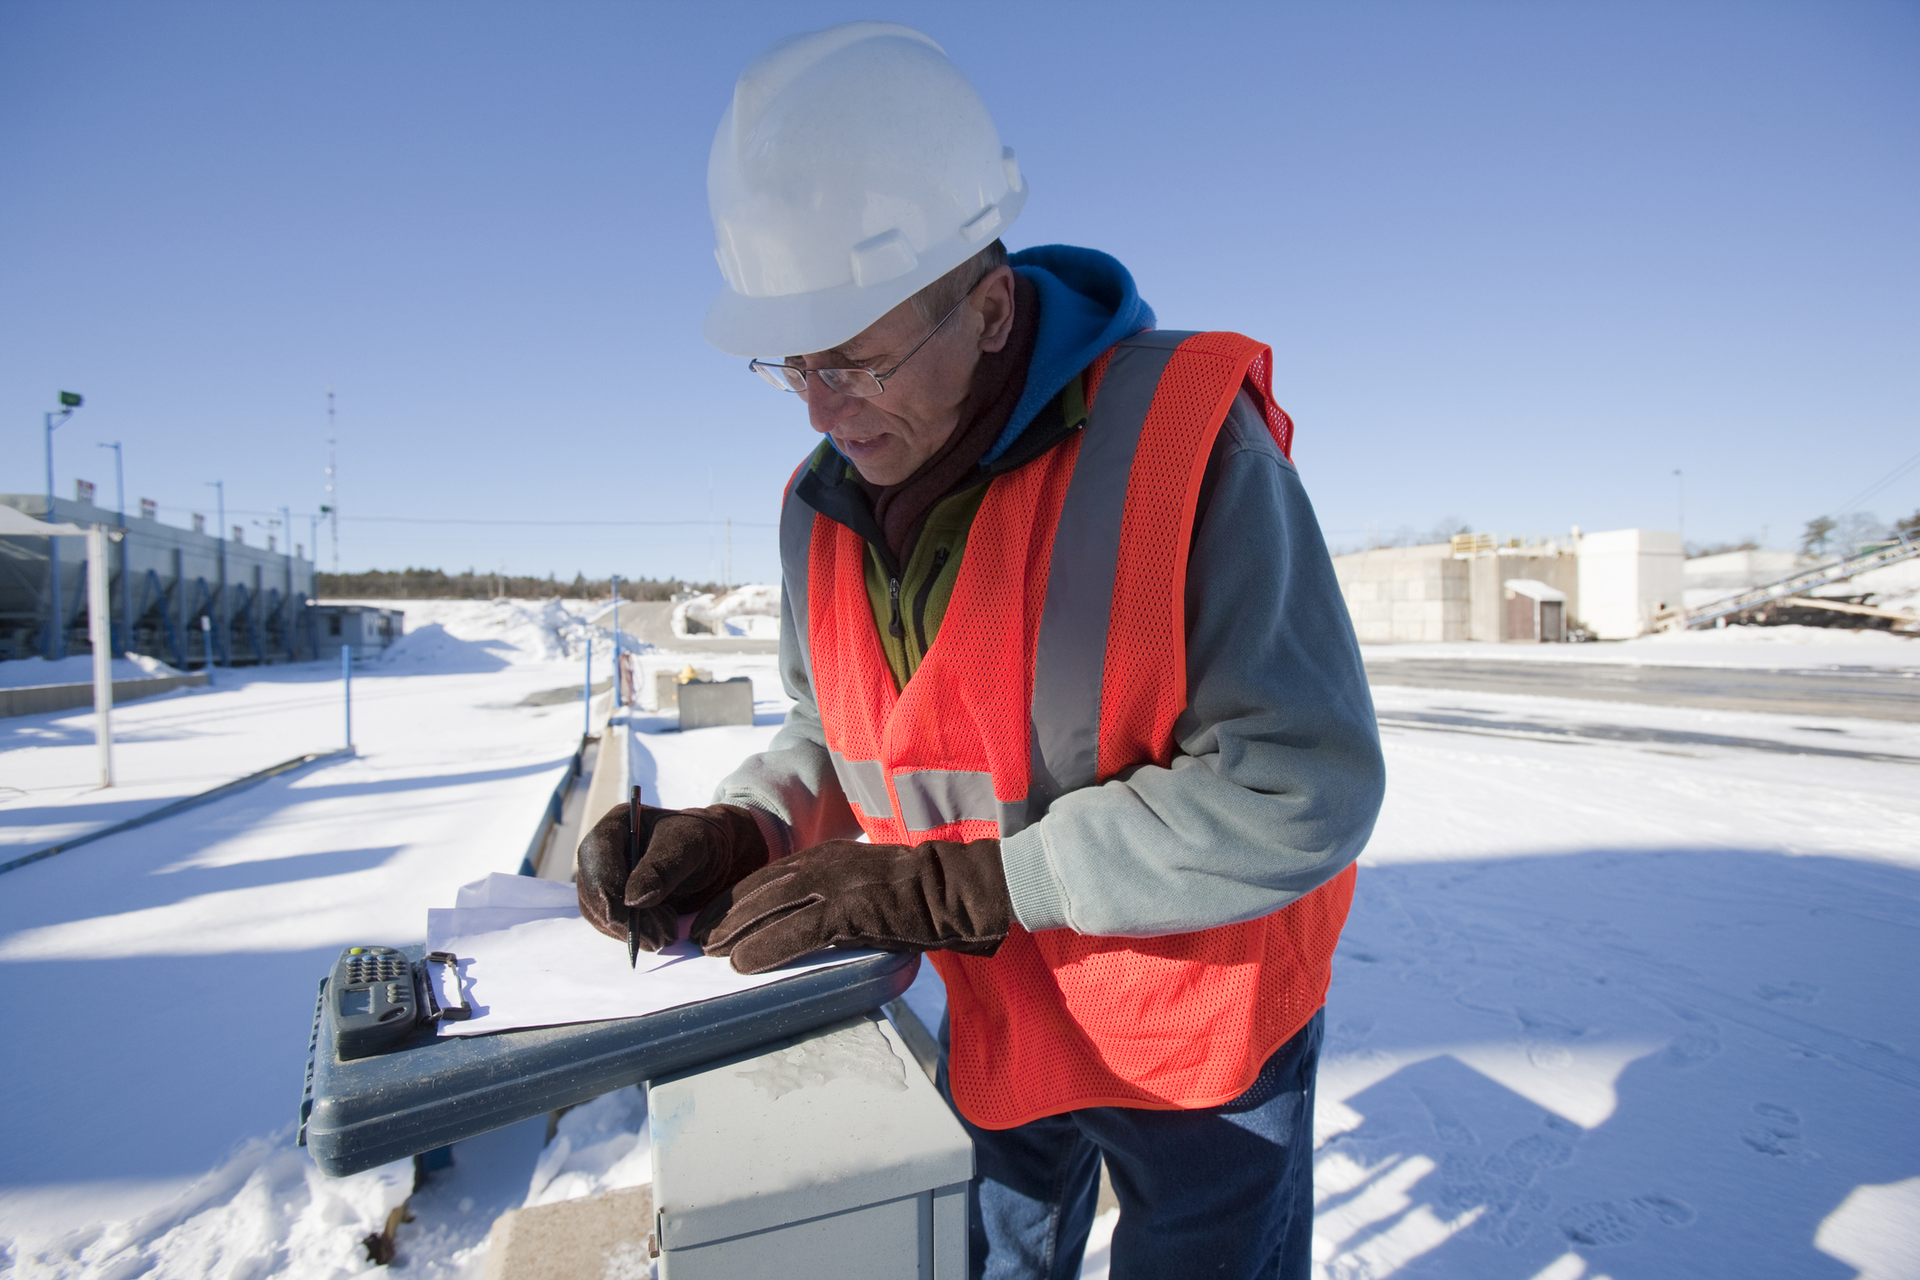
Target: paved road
(1869,692)
(1876,694)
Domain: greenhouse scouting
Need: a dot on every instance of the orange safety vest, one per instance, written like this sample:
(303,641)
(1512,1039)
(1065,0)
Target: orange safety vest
(1060,663)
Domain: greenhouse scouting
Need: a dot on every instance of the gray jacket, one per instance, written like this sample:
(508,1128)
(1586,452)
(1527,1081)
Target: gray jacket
(1277,778)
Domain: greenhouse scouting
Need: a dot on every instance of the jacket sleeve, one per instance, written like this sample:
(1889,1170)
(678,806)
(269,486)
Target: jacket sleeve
(1277,776)
(791,787)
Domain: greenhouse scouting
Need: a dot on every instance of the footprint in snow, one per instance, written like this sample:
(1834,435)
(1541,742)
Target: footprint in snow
(1607,1222)
(1779,1136)
(1789,992)
(1699,1041)
(1600,1223)
(1550,1057)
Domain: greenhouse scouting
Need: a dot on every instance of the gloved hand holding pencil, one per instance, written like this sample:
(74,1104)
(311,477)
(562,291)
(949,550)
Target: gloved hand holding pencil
(688,858)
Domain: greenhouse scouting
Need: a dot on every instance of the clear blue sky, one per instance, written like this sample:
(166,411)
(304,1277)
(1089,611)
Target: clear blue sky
(1519,262)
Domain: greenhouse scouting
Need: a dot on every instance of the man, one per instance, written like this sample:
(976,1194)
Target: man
(1064,643)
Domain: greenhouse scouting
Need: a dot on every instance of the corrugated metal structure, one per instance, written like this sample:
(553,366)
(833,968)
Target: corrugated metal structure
(190,599)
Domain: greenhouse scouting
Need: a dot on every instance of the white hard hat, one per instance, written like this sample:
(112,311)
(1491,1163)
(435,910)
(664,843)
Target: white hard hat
(855,166)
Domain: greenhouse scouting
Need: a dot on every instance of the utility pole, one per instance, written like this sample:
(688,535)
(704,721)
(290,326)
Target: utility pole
(100,632)
(1680,483)
(226,620)
(126,570)
(119,483)
(56,643)
(616,640)
(333,499)
(286,601)
(729,582)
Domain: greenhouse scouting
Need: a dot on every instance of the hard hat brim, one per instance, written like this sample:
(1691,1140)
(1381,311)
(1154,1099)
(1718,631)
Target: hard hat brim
(799,324)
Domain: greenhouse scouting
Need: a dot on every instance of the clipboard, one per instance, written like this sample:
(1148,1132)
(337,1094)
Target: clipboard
(427,1091)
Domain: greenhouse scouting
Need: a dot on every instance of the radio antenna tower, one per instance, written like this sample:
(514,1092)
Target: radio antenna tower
(333,500)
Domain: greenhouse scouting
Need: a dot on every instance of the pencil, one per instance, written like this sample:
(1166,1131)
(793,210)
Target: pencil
(633,861)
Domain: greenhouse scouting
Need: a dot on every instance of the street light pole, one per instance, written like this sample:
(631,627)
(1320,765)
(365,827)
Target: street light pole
(1680,482)
(56,643)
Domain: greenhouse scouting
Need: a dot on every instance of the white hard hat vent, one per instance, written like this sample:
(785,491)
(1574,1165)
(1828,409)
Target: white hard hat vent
(983,224)
(884,257)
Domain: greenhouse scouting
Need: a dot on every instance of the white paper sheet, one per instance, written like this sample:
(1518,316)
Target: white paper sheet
(501,890)
(533,965)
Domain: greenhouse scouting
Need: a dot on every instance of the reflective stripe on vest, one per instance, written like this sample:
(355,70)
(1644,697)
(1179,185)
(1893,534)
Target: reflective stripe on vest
(1059,663)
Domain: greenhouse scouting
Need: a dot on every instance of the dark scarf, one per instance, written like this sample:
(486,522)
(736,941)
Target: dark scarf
(999,378)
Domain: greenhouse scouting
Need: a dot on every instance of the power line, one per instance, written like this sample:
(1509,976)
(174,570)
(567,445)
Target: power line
(431,520)
(597,524)
(1881,483)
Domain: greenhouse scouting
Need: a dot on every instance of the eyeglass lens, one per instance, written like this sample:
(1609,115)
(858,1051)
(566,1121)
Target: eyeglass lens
(846,382)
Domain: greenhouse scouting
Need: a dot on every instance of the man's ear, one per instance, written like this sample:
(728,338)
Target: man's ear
(993,302)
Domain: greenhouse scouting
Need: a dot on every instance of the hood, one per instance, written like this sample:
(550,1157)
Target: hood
(1087,303)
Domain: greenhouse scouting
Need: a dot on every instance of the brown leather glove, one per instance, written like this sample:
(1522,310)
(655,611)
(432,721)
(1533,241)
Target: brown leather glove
(939,896)
(688,857)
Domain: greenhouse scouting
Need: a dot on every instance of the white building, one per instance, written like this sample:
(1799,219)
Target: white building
(1612,585)
(1626,578)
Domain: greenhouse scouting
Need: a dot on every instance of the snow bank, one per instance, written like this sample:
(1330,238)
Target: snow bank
(24,673)
(268,1211)
(603,1145)
(1895,587)
(1788,637)
(1760,648)
(752,611)
(483,635)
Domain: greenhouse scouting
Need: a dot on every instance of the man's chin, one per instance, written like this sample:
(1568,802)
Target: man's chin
(880,467)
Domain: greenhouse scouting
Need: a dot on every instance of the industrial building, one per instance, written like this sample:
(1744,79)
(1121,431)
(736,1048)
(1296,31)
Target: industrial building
(1611,586)
(368,628)
(189,598)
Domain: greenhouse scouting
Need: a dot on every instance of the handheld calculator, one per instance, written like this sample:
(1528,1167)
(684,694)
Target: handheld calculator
(376,995)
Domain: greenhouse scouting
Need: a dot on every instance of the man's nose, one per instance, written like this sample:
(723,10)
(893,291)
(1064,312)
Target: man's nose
(827,408)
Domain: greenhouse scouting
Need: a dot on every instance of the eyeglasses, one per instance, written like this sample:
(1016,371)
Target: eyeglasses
(863,384)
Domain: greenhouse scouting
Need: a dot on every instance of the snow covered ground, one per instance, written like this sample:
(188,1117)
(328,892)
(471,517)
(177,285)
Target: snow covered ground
(24,673)
(1626,990)
(1760,648)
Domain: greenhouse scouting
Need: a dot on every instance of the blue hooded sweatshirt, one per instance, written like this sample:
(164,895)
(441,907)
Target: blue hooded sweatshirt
(1087,303)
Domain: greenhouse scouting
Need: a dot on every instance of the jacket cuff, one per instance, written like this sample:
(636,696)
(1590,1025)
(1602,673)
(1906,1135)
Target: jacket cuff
(772,830)
(1039,899)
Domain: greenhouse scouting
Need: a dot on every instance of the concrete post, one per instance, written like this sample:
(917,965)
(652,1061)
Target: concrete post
(346,684)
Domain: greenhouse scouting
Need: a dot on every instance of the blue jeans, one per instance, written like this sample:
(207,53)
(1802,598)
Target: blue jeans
(1226,1192)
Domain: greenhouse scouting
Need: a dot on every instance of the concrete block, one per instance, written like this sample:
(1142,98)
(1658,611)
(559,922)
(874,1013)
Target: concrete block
(603,1237)
(704,704)
(666,687)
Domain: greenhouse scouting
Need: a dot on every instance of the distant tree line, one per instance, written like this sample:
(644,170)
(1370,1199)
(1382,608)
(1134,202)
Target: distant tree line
(438,584)
(1851,531)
